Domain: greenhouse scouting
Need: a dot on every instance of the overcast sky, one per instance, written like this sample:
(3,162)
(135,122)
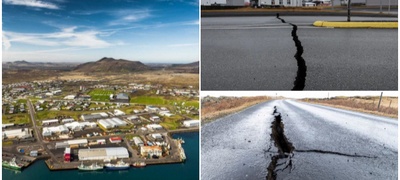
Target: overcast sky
(165,31)
(298,94)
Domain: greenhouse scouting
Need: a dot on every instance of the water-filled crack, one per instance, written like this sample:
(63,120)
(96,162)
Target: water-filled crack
(300,80)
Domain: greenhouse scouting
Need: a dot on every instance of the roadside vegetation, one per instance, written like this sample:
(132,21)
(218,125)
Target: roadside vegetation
(368,104)
(215,107)
(100,95)
(22,118)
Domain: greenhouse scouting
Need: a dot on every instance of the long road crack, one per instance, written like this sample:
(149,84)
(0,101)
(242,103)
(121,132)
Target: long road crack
(284,146)
(335,153)
(300,80)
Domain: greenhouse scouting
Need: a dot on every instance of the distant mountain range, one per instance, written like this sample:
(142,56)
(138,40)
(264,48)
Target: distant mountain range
(112,65)
(105,64)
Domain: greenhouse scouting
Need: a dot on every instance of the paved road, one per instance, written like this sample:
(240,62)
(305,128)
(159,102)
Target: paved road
(257,53)
(328,143)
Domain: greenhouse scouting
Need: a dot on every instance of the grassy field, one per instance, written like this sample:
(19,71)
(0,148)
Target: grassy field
(171,123)
(154,100)
(100,94)
(16,118)
(7,143)
(213,107)
(367,104)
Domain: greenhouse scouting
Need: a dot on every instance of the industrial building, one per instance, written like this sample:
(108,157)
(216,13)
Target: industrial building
(17,133)
(138,141)
(67,120)
(150,151)
(103,153)
(122,97)
(155,119)
(115,139)
(191,123)
(111,123)
(87,117)
(48,131)
(118,112)
(154,126)
(77,126)
(49,121)
(72,143)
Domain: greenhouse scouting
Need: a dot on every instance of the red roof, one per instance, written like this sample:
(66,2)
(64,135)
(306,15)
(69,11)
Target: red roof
(115,138)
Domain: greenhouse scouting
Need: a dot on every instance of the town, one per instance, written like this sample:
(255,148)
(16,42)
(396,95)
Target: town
(90,125)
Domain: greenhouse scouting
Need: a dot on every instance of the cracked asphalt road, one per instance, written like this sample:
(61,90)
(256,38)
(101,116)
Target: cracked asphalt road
(257,53)
(328,143)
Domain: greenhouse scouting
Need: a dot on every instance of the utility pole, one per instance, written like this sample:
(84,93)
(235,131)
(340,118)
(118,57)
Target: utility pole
(380,9)
(348,10)
(389,8)
(332,3)
(380,99)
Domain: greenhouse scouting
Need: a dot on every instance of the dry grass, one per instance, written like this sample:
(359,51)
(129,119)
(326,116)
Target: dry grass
(388,107)
(155,77)
(213,108)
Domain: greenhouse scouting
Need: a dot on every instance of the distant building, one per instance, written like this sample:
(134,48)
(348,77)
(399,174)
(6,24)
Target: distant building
(155,119)
(87,117)
(138,141)
(17,133)
(115,139)
(191,123)
(103,153)
(122,97)
(150,151)
(111,123)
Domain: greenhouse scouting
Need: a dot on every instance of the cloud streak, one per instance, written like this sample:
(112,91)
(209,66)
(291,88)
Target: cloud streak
(66,37)
(32,3)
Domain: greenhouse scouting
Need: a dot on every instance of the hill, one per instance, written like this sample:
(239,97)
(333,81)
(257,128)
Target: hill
(112,65)
(186,68)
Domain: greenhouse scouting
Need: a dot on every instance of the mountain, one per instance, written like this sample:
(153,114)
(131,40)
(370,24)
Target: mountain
(186,68)
(112,65)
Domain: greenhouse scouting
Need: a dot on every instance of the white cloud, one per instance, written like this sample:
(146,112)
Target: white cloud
(66,37)
(128,16)
(32,3)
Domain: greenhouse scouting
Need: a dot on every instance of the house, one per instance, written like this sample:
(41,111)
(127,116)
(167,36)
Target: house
(115,139)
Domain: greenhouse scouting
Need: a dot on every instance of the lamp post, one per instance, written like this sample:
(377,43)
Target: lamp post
(348,10)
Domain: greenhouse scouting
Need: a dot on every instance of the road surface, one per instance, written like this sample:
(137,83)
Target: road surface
(257,53)
(328,143)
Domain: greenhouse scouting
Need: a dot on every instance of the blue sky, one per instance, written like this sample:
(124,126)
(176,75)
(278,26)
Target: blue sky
(151,31)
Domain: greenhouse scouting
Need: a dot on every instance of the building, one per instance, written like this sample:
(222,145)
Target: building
(191,123)
(149,151)
(69,97)
(111,153)
(72,143)
(33,153)
(133,117)
(48,131)
(67,120)
(118,112)
(87,117)
(50,121)
(157,136)
(152,109)
(155,119)
(122,97)
(5,126)
(17,133)
(138,141)
(154,126)
(111,123)
(115,139)
(77,126)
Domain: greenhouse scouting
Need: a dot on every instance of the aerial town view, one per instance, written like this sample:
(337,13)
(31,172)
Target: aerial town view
(107,91)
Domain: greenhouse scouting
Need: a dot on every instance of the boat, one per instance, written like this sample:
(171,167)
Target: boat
(139,164)
(93,167)
(121,165)
(12,164)
(181,140)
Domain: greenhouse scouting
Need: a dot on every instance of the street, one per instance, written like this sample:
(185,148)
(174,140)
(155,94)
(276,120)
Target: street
(257,53)
(325,143)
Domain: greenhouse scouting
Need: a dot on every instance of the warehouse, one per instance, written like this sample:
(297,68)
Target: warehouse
(154,126)
(138,141)
(17,133)
(87,117)
(76,126)
(191,123)
(48,131)
(67,120)
(111,123)
(103,153)
(49,121)
(150,151)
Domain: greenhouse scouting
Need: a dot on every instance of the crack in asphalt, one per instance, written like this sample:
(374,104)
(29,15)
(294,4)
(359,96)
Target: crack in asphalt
(335,153)
(300,80)
(284,146)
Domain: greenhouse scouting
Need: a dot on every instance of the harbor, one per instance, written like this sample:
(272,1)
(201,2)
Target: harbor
(38,169)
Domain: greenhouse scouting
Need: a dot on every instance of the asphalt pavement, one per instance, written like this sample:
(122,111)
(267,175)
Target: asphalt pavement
(328,143)
(257,53)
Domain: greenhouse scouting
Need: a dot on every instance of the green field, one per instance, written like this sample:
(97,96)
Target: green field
(160,100)
(171,123)
(153,100)
(21,118)
(100,94)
